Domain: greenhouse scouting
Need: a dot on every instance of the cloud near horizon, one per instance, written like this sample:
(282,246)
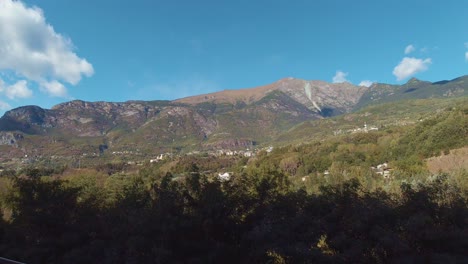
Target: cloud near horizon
(33,51)
(366,83)
(410,66)
(410,48)
(4,105)
(18,90)
(466,53)
(54,88)
(340,77)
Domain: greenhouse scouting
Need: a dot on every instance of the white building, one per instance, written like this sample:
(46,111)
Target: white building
(224,176)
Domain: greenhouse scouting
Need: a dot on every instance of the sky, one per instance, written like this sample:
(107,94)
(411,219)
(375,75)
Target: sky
(52,51)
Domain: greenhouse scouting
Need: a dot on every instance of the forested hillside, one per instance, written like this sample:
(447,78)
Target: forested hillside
(318,202)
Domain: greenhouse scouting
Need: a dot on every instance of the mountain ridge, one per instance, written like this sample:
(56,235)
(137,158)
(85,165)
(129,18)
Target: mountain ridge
(224,119)
(309,93)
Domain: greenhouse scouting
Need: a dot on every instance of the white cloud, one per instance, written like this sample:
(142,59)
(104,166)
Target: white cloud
(18,90)
(54,88)
(466,53)
(409,49)
(31,48)
(366,83)
(410,66)
(4,106)
(340,77)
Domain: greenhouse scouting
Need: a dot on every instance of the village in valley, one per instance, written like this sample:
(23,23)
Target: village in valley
(137,158)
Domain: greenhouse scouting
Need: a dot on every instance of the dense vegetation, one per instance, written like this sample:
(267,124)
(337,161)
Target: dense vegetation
(246,220)
(353,155)
(278,207)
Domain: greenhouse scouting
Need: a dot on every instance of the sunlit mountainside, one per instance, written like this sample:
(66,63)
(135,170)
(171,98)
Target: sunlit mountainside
(289,110)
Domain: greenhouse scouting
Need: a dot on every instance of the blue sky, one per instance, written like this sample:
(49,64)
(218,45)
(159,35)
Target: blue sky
(54,51)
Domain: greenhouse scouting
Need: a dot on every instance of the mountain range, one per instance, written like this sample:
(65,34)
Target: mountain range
(222,120)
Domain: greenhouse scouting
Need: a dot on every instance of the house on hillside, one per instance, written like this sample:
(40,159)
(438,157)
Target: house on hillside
(383,169)
(158,158)
(364,129)
(248,154)
(231,153)
(225,176)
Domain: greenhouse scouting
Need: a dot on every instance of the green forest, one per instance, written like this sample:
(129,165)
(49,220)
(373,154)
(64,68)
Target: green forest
(316,202)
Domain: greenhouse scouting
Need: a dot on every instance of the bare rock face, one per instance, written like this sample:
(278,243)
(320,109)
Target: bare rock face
(321,97)
(10,139)
(231,144)
(207,125)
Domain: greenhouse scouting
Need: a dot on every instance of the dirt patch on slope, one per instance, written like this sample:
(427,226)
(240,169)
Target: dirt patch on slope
(456,160)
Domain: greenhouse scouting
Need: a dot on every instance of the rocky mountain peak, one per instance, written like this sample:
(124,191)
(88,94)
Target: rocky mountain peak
(30,114)
(413,80)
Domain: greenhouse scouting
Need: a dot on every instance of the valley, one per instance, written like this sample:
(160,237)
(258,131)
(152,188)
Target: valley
(269,175)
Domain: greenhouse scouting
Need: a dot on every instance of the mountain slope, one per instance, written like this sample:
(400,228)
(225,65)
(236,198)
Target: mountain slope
(226,119)
(380,117)
(318,96)
(414,89)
